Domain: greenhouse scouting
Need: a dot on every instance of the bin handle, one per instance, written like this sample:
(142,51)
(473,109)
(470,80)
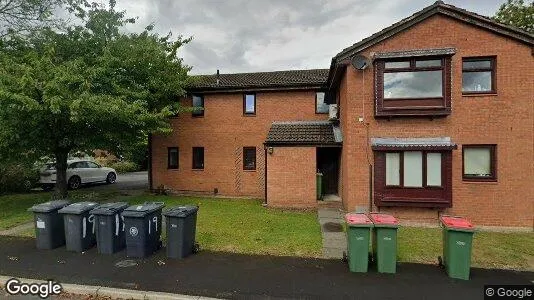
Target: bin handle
(155,203)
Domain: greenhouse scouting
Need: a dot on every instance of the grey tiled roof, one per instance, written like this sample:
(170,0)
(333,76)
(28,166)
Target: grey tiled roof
(292,78)
(432,142)
(303,133)
(416,53)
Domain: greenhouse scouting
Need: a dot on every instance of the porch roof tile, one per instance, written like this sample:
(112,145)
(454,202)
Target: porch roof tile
(303,133)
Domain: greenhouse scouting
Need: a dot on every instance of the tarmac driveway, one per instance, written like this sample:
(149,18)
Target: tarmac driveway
(125,182)
(237,276)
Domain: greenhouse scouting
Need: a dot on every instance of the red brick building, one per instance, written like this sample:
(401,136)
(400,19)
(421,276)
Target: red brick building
(435,115)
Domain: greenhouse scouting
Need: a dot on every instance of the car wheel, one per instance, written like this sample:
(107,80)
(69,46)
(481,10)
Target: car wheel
(75,182)
(111,178)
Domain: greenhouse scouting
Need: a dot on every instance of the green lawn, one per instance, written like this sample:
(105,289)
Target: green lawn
(13,208)
(490,249)
(230,225)
(244,226)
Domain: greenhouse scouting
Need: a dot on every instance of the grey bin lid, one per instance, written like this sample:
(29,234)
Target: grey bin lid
(109,209)
(141,210)
(181,211)
(49,206)
(78,208)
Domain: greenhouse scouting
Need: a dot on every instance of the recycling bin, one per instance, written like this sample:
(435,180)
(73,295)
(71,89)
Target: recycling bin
(143,229)
(79,226)
(181,225)
(358,233)
(319,183)
(110,236)
(457,244)
(49,227)
(385,242)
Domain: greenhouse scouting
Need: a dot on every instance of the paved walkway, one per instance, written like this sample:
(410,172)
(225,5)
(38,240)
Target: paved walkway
(226,275)
(17,229)
(334,239)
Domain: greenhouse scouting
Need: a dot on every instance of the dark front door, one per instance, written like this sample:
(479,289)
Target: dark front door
(328,164)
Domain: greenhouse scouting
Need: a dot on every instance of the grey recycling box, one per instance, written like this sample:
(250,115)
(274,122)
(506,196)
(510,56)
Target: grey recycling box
(143,229)
(181,225)
(110,236)
(79,226)
(49,227)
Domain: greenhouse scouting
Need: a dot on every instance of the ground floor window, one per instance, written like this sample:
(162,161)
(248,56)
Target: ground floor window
(198,158)
(413,169)
(172,158)
(249,158)
(413,178)
(479,162)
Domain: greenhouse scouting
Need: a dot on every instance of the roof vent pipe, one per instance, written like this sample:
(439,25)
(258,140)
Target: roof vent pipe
(218,77)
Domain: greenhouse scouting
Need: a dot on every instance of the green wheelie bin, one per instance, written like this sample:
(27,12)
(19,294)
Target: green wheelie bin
(385,242)
(358,234)
(457,244)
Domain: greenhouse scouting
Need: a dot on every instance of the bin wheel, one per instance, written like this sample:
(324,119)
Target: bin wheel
(440,262)
(196,248)
(345,258)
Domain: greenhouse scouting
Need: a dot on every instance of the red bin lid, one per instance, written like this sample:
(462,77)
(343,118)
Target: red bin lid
(383,219)
(357,219)
(456,222)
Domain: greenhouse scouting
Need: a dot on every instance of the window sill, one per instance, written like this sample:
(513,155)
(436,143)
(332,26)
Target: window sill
(172,169)
(200,116)
(249,115)
(489,94)
(245,170)
(479,180)
(321,113)
(197,170)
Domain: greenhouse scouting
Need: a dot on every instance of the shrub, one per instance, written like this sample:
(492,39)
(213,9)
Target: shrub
(107,161)
(17,177)
(125,166)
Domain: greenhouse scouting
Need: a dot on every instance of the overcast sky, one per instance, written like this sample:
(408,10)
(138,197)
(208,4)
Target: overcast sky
(267,35)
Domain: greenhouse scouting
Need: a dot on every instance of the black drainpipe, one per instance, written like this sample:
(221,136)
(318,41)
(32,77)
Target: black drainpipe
(265,151)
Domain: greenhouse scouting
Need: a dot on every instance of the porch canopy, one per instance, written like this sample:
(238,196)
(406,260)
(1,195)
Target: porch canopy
(304,133)
(435,143)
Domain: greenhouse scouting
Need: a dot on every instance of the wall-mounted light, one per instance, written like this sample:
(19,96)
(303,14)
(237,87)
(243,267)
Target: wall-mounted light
(270,150)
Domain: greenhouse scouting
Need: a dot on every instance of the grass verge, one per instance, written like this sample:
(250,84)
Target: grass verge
(490,249)
(229,225)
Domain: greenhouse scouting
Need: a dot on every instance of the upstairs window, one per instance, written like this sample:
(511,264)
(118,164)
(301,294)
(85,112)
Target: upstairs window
(412,86)
(479,162)
(413,79)
(249,104)
(320,106)
(198,158)
(478,75)
(249,158)
(198,106)
(172,158)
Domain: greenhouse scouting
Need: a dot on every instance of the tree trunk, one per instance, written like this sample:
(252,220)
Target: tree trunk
(61,172)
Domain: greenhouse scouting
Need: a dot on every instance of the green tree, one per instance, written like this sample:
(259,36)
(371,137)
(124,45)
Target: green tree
(23,16)
(518,14)
(88,87)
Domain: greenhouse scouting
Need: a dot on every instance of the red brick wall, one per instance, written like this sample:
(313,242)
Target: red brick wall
(505,119)
(223,132)
(291,177)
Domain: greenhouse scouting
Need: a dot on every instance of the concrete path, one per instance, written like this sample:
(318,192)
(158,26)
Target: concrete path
(17,229)
(334,239)
(84,292)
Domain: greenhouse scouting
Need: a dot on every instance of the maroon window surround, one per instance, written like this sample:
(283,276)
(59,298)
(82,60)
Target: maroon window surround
(425,196)
(435,103)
